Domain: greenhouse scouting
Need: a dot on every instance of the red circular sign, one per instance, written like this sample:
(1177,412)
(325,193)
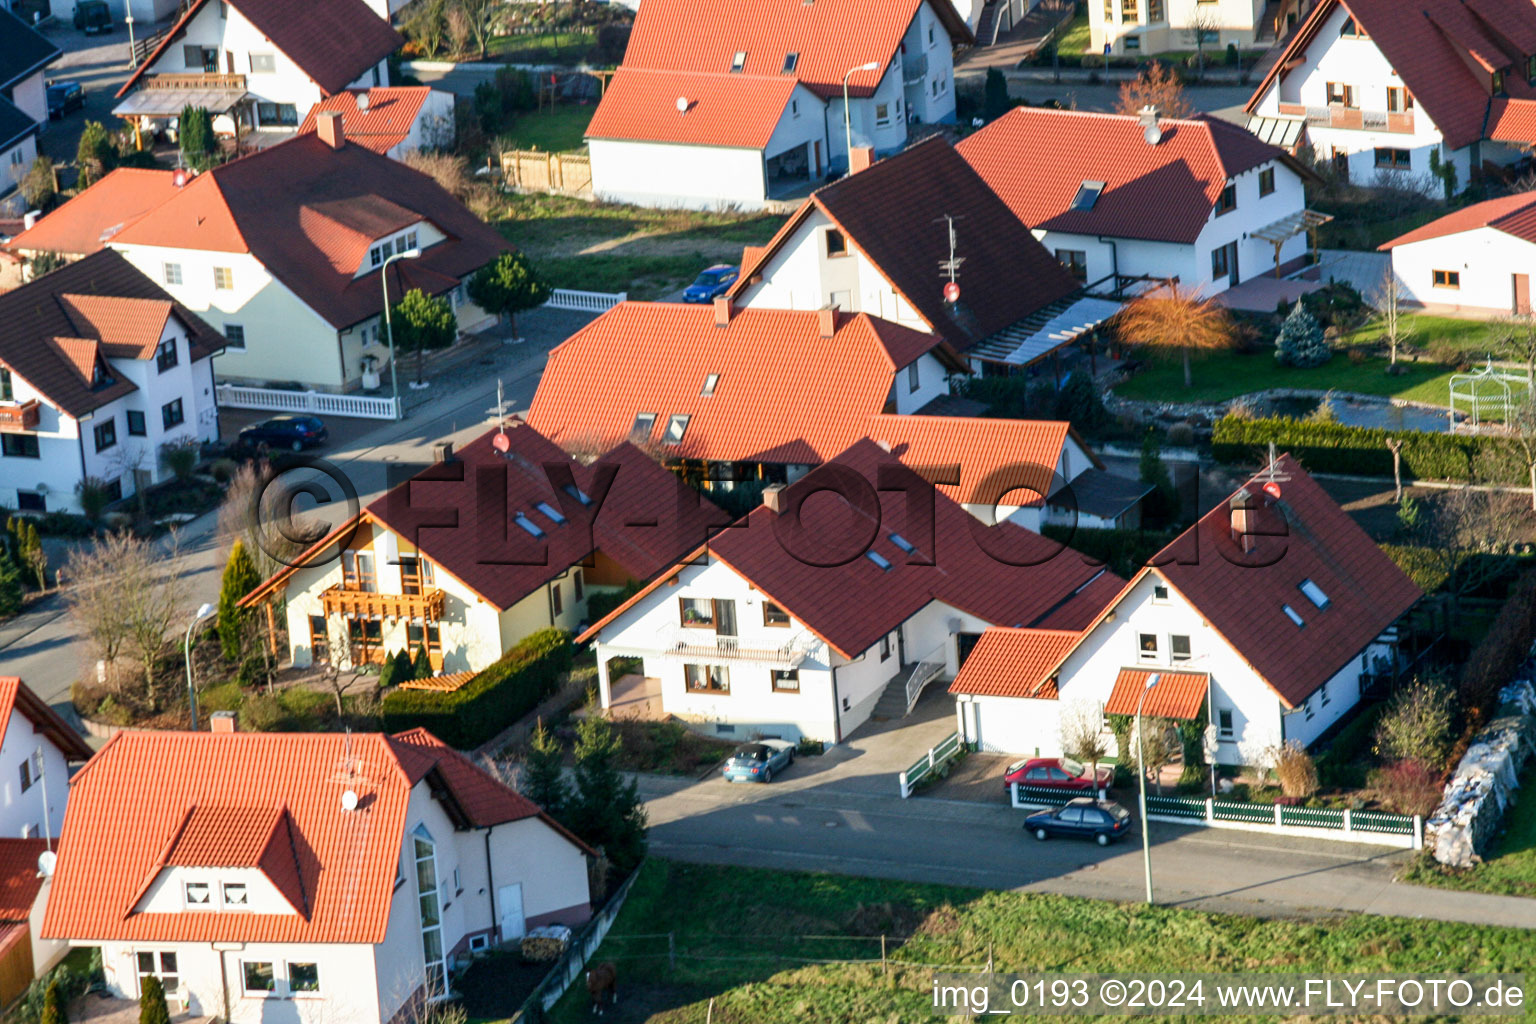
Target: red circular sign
(951,292)
(1272,489)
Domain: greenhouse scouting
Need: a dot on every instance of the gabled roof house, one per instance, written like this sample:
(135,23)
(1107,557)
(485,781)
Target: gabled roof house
(392,120)
(332,874)
(24,58)
(1266,620)
(1477,259)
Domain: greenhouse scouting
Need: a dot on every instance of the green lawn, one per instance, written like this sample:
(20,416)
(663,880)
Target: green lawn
(744,938)
(1510,868)
(541,48)
(1075,37)
(553,131)
(1225,375)
(1477,338)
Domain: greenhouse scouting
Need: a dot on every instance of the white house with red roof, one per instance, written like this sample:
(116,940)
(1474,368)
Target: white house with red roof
(301,877)
(1477,259)
(1265,620)
(1384,87)
(1118,197)
(440,562)
(392,120)
(806,618)
(258,65)
(1134,27)
(35,753)
(746,105)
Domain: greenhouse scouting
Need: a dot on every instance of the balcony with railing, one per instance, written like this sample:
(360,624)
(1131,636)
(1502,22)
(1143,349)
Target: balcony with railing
(705,646)
(1336,115)
(19,416)
(194,80)
(366,604)
(914,68)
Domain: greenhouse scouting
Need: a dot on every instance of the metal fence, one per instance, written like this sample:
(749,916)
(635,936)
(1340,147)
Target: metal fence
(574,960)
(586,302)
(233,396)
(947,749)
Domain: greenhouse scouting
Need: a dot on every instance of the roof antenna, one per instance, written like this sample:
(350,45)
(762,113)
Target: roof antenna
(1272,475)
(951,266)
(500,442)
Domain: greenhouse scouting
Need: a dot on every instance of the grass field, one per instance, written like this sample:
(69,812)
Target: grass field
(746,938)
(1477,338)
(1075,37)
(1225,375)
(553,131)
(542,47)
(1510,868)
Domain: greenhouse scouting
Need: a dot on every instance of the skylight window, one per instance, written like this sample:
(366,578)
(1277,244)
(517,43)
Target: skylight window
(790,60)
(1087,195)
(577,493)
(1293,615)
(677,425)
(710,381)
(533,528)
(644,423)
(1314,593)
(879,559)
(739,61)
(902,543)
(549,510)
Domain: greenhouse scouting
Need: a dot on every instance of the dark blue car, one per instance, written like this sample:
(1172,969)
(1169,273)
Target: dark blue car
(293,432)
(713,282)
(1086,818)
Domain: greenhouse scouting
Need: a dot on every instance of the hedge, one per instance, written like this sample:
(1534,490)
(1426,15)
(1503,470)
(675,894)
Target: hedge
(492,700)
(1123,551)
(1336,448)
(1424,566)
(1494,661)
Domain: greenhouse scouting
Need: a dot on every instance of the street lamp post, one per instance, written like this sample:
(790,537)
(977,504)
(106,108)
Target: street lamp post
(847,119)
(389,330)
(186,648)
(133,60)
(1141,765)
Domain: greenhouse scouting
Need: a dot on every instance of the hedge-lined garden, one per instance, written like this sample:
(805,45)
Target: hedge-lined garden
(492,700)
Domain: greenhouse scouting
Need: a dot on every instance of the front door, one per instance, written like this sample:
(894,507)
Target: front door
(964,644)
(319,641)
(510,899)
(1522,286)
(818,158)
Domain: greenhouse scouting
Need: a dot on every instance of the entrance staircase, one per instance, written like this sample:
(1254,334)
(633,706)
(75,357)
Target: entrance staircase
(901,693)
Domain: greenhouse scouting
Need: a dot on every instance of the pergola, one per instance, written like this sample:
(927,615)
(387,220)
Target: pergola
(168,95)
(1282,231)
(1485,388)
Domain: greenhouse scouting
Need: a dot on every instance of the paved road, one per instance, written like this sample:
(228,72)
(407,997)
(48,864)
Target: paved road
(1221,100)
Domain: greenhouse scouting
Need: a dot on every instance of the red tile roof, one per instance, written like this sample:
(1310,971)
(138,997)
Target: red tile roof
(85,223)
(128,328)
(305,210)
(18,696)
(830,36)
(803,565)
(334,42)
(150,799)
(1512,121)
(19,878)
(739,111)
(1513,215)
(1176,695)
(1433,46)
(894,213)
(1037,159)
(379,118)
(82,355)
(1015,663)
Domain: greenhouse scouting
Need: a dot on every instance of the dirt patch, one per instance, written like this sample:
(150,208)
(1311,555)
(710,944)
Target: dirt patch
(943,921)
(889,918)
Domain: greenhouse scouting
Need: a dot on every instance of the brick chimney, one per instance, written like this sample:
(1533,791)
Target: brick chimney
(1244,511)
(723,311)
(859,158)
(221,721)
(772,495)
(328,126)
(826,321)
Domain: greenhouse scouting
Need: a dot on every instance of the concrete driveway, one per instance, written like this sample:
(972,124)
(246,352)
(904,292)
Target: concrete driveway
(100,64)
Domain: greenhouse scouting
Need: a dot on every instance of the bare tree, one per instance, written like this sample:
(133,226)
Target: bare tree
(1515,336)
(481,18)
(1157,746)
(256,509)
(341,674)
(1082,734)
(1203,20)
(1395,446)
(1156,86)
(1522,427)
(1464,530)
(1388,299)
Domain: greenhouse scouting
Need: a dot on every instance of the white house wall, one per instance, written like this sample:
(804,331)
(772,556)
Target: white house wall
(1255,257)
(1487,260)
(1235,21)
(30,95)
(23,813)
(166,894)
(659,174)
(15,160)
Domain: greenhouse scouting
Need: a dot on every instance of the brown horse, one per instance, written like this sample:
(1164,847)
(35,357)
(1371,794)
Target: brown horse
(603,980)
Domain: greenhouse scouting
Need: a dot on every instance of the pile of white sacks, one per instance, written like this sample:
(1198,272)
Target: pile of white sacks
(1484,785)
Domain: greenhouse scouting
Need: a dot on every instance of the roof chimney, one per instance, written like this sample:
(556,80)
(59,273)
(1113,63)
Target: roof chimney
(859,158)
(826,321)
(1150,130)
(1244,511)
(442,451)
(772,494)
(723,311)
(221,721)
(328,125)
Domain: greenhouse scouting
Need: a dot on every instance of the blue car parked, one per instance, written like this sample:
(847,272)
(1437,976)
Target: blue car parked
(1085,817)
(713,282)
(757,761)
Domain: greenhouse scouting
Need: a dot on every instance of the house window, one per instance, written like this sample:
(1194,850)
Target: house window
(883,563)
(1221,261)
(1399,100)
(1293,615)
(26,775)
(234,334)
(557,599)
(1228,201)
(303,977)
(837,245)
(223,279)
(1447,278)
(1498,83)
(1131,43)
(882,114)
(198,894)
(1087,195)
(794,108)
(1178,648)
(775,616)
(580,586)
(263,63)
(1109,10)
(1306,706)
(172,415)
(365,633)
(1224,723)
(171,272)
(677,426)
(553,514)
(707,678)
(234,894)
(7,392)
(136,426)
(200,58)
(19,446)
(115,490)
(739,61)
(696,612)
(431,912)
(357,572)
(1160,593)
(529,527)
(786,680)
(914,378)
(165,355)
(1393,159)
(644,423)
(259,977)
(1340,94)
(106,435)
(1147,647)
(790,61)
(1266,181)
(277,113)
(1076,262)
(428,635)
(159,965)
(1314,593)
(1154,13)
(710,380)
(1128,10)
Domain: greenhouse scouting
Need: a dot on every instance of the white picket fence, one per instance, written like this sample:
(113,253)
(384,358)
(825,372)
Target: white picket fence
(587,302)
(233,396)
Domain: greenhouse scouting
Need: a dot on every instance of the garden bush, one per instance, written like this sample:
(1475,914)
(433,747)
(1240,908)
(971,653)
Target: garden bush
(1416,724)
(1123,551)
(601,602)
(1301,342)
(492,700)
(1408,786)
(1295,770)
(1340,765)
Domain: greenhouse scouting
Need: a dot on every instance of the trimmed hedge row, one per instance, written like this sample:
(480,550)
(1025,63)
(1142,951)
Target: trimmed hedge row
(1422,565)
(494,699)
(1336,448)
(1123,551)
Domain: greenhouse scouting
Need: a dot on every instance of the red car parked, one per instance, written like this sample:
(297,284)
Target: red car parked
(1056,773)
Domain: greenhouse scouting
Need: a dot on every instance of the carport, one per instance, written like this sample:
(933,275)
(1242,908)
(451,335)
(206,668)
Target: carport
(162,97)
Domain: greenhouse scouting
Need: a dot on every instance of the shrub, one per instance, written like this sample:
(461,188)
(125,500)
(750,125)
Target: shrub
(1340,764)
(199,146)
(1301,342)
(1295,770)
(387,671)
(1422,565)
(1079,402)
(53,1005)
(1507,643)
(1416,724)
(223,470)
(1181,435)
(180,457)
(600,603)
(37,187)
(152,1008)
(492,700)
(261,713)
(94,497)
(1408,786)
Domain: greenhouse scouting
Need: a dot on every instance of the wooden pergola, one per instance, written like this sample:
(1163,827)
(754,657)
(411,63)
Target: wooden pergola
(1282,231)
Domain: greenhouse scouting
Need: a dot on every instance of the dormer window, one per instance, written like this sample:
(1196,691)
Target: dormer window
(677,426)
(1087,195)
(234,894)
(1498,83)
(739,61)
(710,380)
(404,242)
(790,62)
(1314,593)
(199,895)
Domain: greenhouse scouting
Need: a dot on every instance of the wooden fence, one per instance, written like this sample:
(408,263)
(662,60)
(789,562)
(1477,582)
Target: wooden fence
(534,170)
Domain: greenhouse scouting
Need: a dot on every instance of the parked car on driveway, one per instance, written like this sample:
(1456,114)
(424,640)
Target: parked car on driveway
(757,761)
(293,432)
(93,16)
(64,97)
(711,283)
(1057,773)
(1099,820)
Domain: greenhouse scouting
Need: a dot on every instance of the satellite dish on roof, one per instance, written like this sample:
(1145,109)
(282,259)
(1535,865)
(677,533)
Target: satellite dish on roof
(45,863)
(1153,133)
(501,443)
(682,104)
(349,800)
(362,100)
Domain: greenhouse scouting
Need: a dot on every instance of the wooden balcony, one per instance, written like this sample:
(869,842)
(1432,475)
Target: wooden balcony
(19,416)
(363,604)
(194,80)
(1353,118)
